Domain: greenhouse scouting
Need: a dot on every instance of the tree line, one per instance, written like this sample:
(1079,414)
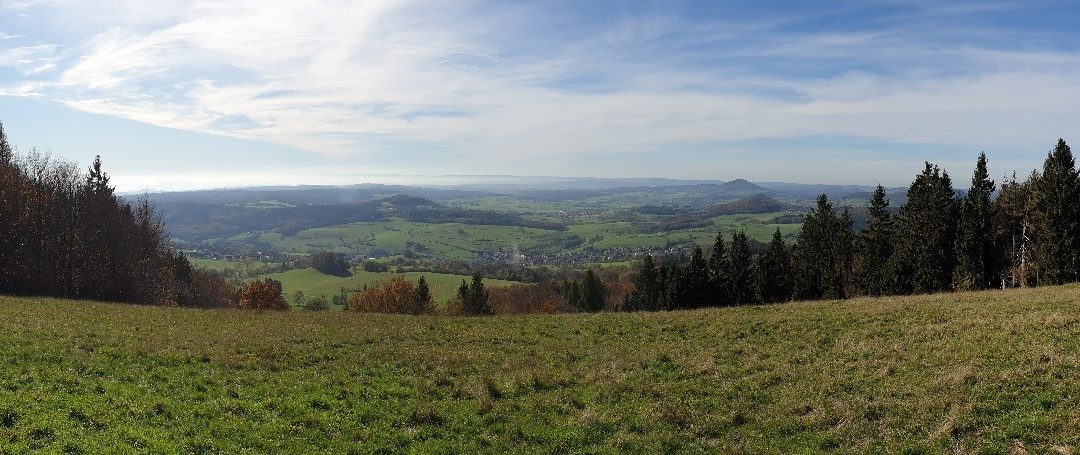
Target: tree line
(65,233)
(1025,233)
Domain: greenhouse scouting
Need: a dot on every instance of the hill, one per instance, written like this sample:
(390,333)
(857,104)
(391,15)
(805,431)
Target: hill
(980,372)
(757,203)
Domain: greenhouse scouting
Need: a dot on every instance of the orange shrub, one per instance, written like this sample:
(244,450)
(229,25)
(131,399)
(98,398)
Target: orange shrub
(395,296)
(262,295)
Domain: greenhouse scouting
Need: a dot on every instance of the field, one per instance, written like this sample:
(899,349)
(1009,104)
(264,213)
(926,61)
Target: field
(457,241)
(990,372)
(312,282)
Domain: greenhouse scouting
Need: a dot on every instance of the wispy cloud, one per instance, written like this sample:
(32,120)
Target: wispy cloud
(506,81)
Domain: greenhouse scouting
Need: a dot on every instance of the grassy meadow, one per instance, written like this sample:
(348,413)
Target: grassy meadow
(990,372)
(314,283)
(458,241)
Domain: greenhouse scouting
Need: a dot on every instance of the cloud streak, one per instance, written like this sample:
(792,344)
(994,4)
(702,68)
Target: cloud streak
(506,82)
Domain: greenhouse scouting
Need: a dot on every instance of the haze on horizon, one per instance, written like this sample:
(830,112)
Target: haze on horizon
(180,95)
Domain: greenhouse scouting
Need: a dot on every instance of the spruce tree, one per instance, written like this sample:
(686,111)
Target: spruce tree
(423,296)
(719,274)
(478,297)
(1056,212)
(646,293)
(774,272)
(694,286)
(815,255)
(926,239)
(594,296)
(6,152)
(975,257)
(874,247)
(742,284)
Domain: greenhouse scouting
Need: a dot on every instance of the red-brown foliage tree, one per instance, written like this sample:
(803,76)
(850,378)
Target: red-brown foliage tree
(395,296)
(262,295)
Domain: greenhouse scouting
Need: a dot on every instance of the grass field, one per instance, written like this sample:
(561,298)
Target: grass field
(457,241)
(313,283)
(992,372)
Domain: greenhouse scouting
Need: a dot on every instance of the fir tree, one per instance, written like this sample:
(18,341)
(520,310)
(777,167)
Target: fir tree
(774,272)
(719,274)
(874,246)
(816,262)
(925,246)
(742,284)
(1055,193)
(694,284)
(593,294)
(974,236)
(647,288)
(423,296)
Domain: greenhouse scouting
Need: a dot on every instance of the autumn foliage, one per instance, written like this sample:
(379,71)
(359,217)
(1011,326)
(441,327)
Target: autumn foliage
(395,296)
(262,295)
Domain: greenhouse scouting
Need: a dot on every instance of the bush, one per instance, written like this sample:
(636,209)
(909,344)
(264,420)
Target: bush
(395,296)
(263,295)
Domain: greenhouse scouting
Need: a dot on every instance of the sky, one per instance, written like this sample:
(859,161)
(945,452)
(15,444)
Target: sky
(191,94)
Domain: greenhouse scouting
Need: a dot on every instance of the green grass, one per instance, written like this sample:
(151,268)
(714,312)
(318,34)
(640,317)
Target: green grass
(973,373)
(313,283)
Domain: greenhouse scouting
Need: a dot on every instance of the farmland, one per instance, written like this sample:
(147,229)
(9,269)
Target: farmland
(975,372)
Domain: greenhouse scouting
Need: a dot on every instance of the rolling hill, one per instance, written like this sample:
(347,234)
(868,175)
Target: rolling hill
(989,372)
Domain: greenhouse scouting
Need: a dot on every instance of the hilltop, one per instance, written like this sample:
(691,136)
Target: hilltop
(989,371)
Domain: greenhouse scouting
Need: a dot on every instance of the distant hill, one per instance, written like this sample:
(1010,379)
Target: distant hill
(744,187)
(758,203)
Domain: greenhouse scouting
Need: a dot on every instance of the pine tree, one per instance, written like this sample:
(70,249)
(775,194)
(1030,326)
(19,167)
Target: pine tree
(844,247)
(6,152)
(975,257)
(719,274)
(874,247)
(423,296)
(742,284)
(925,245)
(774,272)
(594,296)
(647,288)
(817,265)
(1056,217)
(478,297)
(672,280)
(693,287)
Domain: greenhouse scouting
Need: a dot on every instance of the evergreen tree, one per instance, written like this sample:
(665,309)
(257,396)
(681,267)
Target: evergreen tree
(719,274)
(647,288)
(423,296)
(478,297)
(975,250)
(874,247)
(844,245)
(742,281)
(1056,217)
(925,246)
(774,272)
(594,296)
(670,298)
(6,152)
(816,255)
(693,284)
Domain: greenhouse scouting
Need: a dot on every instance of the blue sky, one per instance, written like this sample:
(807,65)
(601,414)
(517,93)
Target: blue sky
(196,94)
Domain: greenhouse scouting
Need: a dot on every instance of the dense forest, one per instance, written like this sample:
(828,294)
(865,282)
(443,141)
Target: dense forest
(64,233)
(1025,233)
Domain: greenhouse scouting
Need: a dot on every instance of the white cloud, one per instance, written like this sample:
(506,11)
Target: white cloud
(340,78)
